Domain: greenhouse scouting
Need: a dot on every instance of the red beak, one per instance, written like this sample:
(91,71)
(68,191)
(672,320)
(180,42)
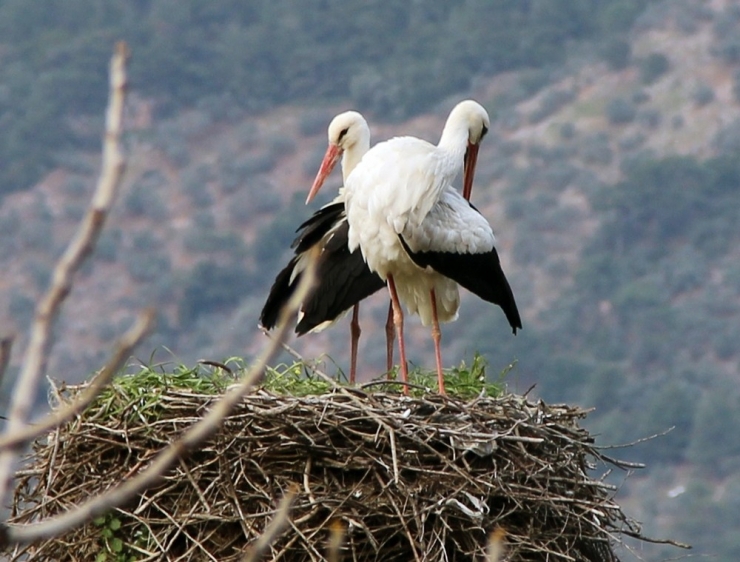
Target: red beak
(327,165)
(471,157)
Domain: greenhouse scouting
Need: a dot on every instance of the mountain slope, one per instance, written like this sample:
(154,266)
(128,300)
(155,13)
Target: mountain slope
(612,182)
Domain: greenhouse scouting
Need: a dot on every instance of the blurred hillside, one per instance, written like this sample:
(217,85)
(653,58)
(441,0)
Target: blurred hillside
(611,176)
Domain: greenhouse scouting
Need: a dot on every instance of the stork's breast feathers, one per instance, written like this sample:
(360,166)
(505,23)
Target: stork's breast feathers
(397,181)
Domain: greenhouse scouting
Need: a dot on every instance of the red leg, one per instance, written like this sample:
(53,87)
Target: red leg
(398,321)
(437,337)
(390,336)
(355,332)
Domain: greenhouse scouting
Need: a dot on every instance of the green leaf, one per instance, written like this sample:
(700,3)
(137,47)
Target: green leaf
(116,545)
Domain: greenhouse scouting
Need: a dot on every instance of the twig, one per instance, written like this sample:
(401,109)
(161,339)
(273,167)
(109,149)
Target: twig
(394,457)
(56,418)
(671,542)
(636,441)
(193,437)
(624,465)
(6,345)
(273,529)
(530,389)
(80,247)
(218,364)
(394,383)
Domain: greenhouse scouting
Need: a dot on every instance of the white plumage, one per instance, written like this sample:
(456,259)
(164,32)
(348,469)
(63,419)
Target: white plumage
(393,191)
(452,225)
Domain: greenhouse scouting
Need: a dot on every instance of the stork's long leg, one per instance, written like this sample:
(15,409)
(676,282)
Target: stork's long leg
(390,336)
(437,337)
(398,322)
(355,332)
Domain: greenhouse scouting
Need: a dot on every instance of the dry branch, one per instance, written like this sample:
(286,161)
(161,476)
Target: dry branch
(80,247)
(273,529)
(65,413)
(496,545)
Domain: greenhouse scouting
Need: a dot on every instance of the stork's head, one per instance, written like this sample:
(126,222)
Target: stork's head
(474,115)
(348,133)
(468,117)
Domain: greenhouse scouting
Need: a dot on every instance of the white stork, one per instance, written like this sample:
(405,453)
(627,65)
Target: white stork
(419,234)
(344,279)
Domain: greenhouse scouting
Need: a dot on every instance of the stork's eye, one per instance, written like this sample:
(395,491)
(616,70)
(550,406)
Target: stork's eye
(483,132)
(342,134)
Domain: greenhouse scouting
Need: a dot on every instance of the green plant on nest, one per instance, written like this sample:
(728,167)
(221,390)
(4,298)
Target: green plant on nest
(112,547)
(137,396)
(465,381)
(301,378)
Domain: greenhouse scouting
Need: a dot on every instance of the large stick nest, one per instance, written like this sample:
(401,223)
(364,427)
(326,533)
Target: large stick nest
(410,479)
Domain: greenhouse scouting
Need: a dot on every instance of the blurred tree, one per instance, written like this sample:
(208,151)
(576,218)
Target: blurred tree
(616,52)
(618,16)
(715,445)
(673,407)
(211,287)
(653,67)
(397,58)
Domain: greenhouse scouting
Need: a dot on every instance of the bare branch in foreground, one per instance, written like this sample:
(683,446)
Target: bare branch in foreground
(80,247)
(6,346)
(274,529)
(126,344)
(23,534)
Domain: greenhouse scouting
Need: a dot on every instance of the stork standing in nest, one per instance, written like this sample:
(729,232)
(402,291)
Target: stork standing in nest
(344,279)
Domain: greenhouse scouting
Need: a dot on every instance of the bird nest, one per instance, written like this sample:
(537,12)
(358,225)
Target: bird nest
(421,478)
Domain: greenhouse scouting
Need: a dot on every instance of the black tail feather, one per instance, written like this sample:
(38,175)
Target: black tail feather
(344,280)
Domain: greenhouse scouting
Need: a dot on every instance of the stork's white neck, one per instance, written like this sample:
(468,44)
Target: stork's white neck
(454,141)
(352,155)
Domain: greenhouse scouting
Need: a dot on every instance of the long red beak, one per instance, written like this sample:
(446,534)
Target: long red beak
(327,165)
(471,157)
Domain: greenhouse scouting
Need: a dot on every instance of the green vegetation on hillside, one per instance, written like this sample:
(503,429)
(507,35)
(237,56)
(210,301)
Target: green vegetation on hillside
(646,331)
(395,58)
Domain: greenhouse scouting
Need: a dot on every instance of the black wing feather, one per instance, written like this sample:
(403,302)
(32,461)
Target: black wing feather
(317,226)
(344,280)
(310,233)
(480,274)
